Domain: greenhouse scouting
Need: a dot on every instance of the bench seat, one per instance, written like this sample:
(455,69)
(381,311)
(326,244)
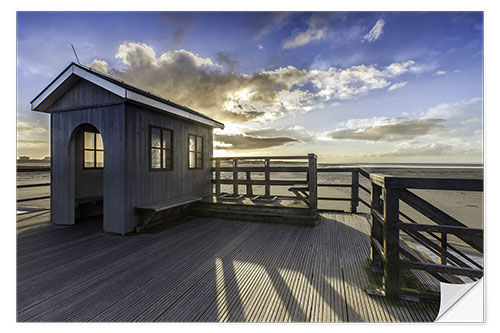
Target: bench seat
(156,207)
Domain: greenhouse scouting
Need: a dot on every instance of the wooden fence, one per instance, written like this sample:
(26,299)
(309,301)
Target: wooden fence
(387,223)
(264,165)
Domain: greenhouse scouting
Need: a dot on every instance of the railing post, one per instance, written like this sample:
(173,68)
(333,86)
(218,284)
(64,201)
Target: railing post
(391,243)
(249,185)
(217,178)
(235,177)
(313,181)
(354,191)
(377,229)
(267,178)
(444,248)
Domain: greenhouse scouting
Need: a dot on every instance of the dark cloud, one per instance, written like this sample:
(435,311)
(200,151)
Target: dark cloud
(401,130)
(224,59)
(181,24)
(260,24)
(240,141)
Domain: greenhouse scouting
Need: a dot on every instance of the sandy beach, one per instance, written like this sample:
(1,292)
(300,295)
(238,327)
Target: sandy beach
(467,207)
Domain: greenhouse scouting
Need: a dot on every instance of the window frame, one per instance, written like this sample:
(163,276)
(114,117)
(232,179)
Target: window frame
(196,152)
(95,150)
(161,148)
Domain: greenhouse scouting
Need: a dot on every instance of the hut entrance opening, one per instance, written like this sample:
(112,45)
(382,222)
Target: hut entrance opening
(88,169)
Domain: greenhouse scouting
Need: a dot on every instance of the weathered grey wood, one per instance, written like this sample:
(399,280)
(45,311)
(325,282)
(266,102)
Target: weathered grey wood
(267,178)
(376,233)
(235,177)
(249,190)
(217,177)
(444,248)
(313,181)
(427,183)
(354,191)
(263,169)
(391,243)
(262,158)
(440,217)
(205,270)
(263,182)
(450,229)
(437,268)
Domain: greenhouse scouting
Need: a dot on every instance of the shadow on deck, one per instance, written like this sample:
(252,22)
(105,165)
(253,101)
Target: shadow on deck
(203,269)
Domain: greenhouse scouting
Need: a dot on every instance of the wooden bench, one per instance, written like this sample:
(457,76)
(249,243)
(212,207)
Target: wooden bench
(301,192)
(160,206)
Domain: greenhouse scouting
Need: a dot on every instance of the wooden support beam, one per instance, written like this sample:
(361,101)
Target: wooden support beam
(217,178)
(313,181)
(391,243)
(354,191)
(235,177)
(249,184)
(376,234)
(267,178)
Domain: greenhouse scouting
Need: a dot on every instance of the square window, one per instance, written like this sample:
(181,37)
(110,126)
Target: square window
(161,148)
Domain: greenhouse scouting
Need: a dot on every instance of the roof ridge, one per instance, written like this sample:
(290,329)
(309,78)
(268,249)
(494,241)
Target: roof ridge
(151,94)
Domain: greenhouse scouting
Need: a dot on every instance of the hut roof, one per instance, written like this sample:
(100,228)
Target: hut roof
(74,72)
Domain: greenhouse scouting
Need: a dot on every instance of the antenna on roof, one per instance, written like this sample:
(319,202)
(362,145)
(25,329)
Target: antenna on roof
(76,55)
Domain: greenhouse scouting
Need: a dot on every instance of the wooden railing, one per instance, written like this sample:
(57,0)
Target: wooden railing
(387,225)
(33,198)
(311,171)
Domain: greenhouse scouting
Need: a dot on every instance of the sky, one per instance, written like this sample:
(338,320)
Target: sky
(352,87)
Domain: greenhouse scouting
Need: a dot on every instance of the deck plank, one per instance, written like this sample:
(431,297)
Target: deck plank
(203,270)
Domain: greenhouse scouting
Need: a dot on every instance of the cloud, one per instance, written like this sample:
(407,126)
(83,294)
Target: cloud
(243,141)
(398,85)
(429,149)
(473,106)
(438,73)
(399,68)
(216,89)
(316,30)
(263,23)
(181,24)
(376,31)
(224,58)
(100,66)
(385,129)
(305,37)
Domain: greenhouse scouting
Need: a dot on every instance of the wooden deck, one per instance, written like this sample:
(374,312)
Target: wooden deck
(203,269)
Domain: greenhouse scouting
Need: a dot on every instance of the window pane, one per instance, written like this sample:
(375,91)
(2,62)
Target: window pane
(155,158)
(163,158)
(199,144)
(199,160)
(192,143)
(155,137)
(88,161)
(192,160)
(99,159)
(167,139)
(168,159)
(88,140)
(98,141)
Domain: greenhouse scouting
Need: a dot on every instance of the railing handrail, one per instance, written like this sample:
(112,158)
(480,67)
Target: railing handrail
(260,158)
(427,183)
(386,227)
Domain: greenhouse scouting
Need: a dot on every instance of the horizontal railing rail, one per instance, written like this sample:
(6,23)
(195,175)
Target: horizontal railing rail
(387,224)
(33,198)
(232,165)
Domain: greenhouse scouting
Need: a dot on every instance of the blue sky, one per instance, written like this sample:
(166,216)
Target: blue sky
(349,86)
